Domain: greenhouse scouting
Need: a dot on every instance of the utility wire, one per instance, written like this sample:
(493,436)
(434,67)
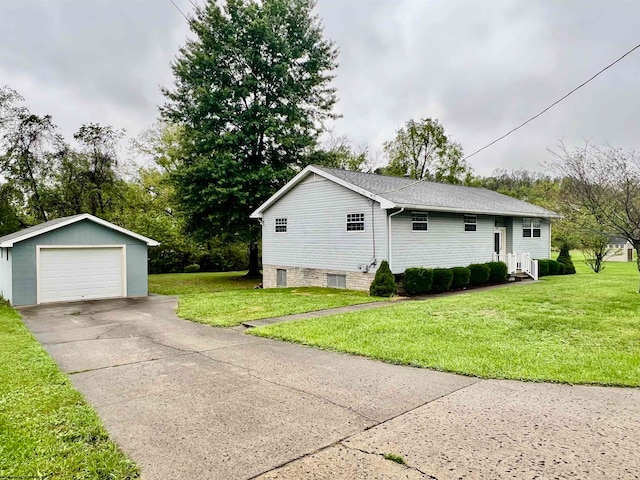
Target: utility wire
(178,8)
(534,117)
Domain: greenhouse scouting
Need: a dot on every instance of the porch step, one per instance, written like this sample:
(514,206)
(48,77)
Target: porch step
(517,276)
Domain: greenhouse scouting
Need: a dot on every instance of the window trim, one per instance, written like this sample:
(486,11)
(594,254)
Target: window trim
(281,225)
(467,223)
(532,226)
(415,222)
(353,222)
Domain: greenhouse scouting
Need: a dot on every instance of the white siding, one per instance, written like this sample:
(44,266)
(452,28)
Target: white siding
(538,247)
(317,237)
(6,287)
(445,244)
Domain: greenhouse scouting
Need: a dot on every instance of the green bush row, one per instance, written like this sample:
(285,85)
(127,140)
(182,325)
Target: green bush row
(552,267)
(418,281)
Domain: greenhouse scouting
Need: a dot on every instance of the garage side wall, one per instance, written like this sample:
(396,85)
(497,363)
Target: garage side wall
(5,274)
(79,234)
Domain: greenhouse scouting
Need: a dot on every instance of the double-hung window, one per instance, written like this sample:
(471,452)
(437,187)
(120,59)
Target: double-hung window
(281,225)
(530,227)
(470,223)
(355,222)
(419,222)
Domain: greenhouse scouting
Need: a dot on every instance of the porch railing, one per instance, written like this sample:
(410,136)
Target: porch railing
(518,263)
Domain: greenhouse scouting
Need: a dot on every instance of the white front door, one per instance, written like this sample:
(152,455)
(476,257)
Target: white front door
(78,273)
(500,240)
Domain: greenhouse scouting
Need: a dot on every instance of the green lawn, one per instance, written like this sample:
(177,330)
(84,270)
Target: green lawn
(227,299)
(583,328)
(46,428)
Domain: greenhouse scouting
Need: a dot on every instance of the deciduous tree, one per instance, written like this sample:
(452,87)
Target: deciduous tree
(423,151)
(252,90)
(604,182)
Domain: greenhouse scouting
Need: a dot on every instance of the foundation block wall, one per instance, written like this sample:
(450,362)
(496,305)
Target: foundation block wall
(314,277)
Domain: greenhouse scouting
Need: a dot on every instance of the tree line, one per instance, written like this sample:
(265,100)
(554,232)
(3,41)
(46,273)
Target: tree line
(248,109)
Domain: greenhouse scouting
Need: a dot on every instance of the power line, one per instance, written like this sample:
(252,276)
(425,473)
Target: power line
(178,8)
(535,116)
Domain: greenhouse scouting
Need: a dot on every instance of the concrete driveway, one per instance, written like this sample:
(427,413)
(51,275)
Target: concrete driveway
(190,401)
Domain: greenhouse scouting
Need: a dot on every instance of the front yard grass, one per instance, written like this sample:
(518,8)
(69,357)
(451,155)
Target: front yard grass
(582,328)
(47,430)
(227,299)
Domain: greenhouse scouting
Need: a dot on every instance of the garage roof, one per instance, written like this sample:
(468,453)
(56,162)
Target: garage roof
(13,238)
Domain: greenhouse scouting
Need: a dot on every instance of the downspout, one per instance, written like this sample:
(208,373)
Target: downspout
(389,242)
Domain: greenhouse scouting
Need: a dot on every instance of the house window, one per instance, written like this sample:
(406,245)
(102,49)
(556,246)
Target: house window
(336,281)
(470,223)
(355,222)
(281,225)
(281,280)
(530,227)
(419,222)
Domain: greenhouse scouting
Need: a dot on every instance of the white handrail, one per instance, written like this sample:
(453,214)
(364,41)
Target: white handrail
(518,263)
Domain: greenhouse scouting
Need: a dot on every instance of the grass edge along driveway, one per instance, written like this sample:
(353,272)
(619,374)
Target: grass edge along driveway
(47,430)
(226,299)
(582,328)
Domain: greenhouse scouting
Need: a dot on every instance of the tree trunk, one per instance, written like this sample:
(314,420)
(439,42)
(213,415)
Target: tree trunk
(254,261)
(637,248)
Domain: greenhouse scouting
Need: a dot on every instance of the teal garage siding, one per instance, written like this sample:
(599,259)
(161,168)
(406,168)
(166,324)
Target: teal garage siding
(82,233)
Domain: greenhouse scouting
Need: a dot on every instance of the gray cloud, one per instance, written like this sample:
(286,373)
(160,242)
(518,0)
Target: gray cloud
(480,67)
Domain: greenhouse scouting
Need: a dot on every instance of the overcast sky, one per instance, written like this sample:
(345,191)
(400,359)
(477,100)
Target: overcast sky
(481,67)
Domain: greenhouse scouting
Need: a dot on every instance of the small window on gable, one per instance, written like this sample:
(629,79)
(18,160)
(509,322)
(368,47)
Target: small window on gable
(281,225)
(419,222)
(355,222)
(470,223)
(530,227)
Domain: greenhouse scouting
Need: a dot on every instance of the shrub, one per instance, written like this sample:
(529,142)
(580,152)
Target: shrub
(479,274)
(194,267)
(498,272)
(417,281)
(543,267)
(384,284)
(461,277)
(562,269)
(554,267)
(442,278)
(565,258)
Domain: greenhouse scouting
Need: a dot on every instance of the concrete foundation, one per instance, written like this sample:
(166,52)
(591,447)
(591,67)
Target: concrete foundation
(314,277)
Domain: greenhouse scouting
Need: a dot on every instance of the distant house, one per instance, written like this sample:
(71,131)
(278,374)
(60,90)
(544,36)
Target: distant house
(330,227)
(620,250)
(81,257)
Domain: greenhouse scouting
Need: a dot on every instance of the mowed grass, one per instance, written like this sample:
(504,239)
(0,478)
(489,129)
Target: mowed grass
(227,299)
(47,430)
(582,328)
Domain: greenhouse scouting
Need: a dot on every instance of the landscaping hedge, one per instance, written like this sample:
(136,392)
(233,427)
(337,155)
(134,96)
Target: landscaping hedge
(461,277)
(417,281)
(498,272)
(543,267)
(194,267)
(384,283)
(479,274)
(554,267)
(565,258)
(442,278)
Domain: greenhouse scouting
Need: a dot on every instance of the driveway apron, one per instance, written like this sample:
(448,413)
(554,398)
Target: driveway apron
(186,400)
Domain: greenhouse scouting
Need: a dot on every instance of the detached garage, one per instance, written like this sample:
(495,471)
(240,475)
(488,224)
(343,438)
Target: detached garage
(73,258)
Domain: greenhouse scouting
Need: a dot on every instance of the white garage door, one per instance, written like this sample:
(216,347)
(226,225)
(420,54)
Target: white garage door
(67,274)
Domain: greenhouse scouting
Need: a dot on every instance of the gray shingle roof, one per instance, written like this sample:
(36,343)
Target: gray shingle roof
(36,228)
(409,193)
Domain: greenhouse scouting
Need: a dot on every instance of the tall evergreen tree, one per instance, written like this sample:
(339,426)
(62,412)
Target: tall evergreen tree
(252,90)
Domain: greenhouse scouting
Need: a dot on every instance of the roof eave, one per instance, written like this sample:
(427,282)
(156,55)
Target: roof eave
(259,212)
(150,242)
(433,208)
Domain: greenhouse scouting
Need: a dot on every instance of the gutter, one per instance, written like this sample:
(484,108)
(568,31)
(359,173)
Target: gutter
(389,237)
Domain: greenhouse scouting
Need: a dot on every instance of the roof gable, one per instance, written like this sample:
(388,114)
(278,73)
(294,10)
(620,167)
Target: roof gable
(398,192)
(13,238)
